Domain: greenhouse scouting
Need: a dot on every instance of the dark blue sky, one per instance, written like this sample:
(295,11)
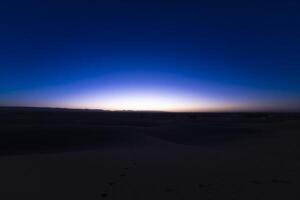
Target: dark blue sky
(151,55)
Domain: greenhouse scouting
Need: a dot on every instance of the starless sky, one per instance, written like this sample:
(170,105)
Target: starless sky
(151,55)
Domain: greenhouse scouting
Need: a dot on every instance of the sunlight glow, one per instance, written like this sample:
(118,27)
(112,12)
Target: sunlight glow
(147,101)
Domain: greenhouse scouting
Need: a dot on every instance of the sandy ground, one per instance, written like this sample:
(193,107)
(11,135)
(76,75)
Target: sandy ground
(265,167)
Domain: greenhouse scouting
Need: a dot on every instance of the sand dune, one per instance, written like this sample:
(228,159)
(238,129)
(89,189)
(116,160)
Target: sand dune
(143,163)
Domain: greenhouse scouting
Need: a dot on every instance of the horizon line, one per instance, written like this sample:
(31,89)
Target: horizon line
(162,111)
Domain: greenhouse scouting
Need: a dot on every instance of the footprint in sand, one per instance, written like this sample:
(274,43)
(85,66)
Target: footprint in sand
(104,195)
(256,182)
(111,183)
(201,185)
(168,189)
(275,180)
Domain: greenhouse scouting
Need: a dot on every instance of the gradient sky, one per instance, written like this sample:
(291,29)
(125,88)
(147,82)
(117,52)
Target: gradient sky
(151,55)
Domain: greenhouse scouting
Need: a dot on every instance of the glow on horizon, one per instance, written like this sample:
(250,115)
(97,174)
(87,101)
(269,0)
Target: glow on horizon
(148,101)
(145,98)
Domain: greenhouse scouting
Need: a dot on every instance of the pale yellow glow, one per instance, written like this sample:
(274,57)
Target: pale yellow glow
(147,101)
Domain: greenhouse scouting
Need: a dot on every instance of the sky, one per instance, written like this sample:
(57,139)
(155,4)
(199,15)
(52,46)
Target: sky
(151,55)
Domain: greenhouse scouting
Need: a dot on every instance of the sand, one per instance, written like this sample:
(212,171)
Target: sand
(265,165)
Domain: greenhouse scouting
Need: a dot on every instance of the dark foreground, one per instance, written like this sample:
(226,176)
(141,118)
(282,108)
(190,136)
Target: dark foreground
(77,154)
